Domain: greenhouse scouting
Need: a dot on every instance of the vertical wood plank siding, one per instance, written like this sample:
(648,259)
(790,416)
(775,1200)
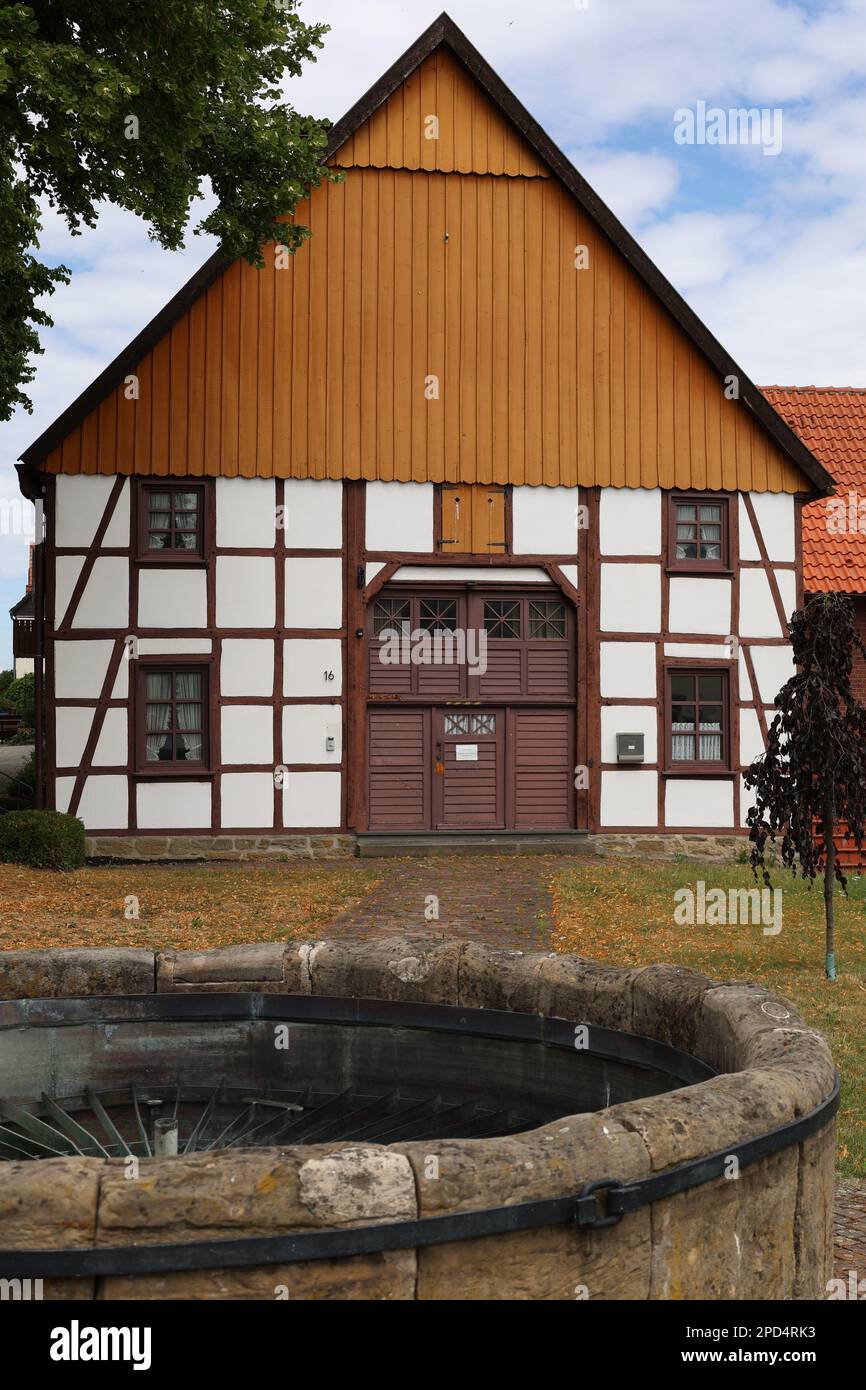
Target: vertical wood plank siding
(451,259)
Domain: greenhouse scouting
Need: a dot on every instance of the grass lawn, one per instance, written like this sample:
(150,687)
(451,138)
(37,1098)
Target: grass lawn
(623,912)
(180,906)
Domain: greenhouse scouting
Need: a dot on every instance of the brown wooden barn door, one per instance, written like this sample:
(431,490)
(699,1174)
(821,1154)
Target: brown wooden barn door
(541,773)
(469,790)
(399,769)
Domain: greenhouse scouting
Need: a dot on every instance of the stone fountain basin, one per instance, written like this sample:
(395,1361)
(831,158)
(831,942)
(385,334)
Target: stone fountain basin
(764,1234)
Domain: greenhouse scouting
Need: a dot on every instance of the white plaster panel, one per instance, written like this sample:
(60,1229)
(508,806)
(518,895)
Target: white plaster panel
(787,582)
(699,651)
(696,802)
(112,746)
(63,793)
(628,669)
(773,667)
(312,799)
(245,596)
(66,571)
(700,605)
(400,516)
(175,646)
(631,598)
(314,514)
(545,520)
(305,729)
(79,668)
(314,593)
(104,803)
(629,719)
(745,683)
(570,573)
(748,544)
(776,517)
(751,741)
(118,533)
(247,800)
(747,801)
(24,666)
(79,504)
(757,611)
(373,569)
(247,735)
(630,521)
(121,684)
(457,573)
(172,597)
(71,729)
(629,797)
(246,517)
(307,663)
(174,805)
(247,666)
(105,601)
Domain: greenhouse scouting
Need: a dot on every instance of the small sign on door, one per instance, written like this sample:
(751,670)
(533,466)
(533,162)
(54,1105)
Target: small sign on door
(466,752)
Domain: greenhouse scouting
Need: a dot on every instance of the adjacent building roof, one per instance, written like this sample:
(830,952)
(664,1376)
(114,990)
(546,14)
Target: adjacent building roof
(250,374)
(831,421)
(23,609)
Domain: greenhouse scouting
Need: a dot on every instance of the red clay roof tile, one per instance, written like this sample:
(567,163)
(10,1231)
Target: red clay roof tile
(831,421)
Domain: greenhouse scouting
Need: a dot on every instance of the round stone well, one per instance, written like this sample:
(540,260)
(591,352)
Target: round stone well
(407,1118)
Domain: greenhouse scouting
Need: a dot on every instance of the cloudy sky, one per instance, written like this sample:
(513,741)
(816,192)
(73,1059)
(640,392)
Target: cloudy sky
(770,250)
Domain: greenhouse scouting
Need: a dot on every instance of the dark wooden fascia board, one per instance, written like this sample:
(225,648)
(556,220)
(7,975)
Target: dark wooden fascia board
(443,31)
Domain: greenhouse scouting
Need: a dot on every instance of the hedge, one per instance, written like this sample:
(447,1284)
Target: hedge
(42,840)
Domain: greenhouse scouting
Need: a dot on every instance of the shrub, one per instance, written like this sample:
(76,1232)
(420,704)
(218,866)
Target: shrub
(42,840)
(20,696)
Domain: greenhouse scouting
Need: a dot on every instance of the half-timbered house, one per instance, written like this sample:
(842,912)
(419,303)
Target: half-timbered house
(458,521)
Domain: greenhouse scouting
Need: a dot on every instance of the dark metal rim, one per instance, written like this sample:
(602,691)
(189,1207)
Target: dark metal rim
(598,1204)
(632,1048)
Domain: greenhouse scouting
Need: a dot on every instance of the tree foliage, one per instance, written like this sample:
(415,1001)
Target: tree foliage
(812,778)
(136,104)
(20,696)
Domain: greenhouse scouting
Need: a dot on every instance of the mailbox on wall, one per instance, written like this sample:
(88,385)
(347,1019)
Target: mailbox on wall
(629,748)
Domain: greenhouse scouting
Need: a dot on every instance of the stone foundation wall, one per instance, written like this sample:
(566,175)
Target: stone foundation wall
(166,848)
(719,847)
(765,1234)
(237,847)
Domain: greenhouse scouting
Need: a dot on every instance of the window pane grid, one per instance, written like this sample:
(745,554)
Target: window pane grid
(173,520)
(699,531)
(391,614)
(174,717)
(502,619)
(697,718)
(546,619)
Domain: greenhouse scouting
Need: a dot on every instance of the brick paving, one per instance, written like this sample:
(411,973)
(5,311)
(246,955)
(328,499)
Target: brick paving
(500,900)
(849,1234)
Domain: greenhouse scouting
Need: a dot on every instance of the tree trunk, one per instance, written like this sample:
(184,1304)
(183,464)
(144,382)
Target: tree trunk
(829,883)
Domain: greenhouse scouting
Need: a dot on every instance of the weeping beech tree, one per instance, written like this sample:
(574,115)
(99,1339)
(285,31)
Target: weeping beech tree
(812,777)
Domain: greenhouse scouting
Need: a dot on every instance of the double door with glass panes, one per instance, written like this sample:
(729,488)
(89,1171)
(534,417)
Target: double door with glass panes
(465,733)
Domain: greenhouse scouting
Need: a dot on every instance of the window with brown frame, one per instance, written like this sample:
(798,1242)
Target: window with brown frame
(172,718)
(698,718)
(698,532)
(171,521)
